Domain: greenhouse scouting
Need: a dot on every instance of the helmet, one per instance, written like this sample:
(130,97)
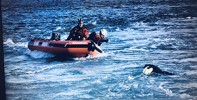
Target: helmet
(103,32)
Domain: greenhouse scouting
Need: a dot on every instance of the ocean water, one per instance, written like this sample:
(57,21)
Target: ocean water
(163,33)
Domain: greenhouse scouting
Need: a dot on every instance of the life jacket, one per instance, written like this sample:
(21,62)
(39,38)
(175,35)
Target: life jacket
(95,37)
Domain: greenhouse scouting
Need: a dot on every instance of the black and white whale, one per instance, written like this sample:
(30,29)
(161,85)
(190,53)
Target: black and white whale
(150,69)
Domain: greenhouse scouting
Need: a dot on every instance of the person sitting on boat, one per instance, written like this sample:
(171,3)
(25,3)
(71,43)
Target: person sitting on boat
(79,32)
(98,38)
(55,37)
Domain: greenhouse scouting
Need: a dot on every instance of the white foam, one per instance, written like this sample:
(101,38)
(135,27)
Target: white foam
(19,80)
(103,54)
(80,59)
(76,93)
(183,96)
(189,60)
(37,30)
(184,86)
(64,37)
(38,54)
(153,46)
(98,81)
(117,29)
(40,70)
(193,72)
(130,77)
(166,90)
(22,44)
(94,23)
(9,41)
(194,66)
(135,85)
(16,58)
(58,28)
(70,93)
(60,94)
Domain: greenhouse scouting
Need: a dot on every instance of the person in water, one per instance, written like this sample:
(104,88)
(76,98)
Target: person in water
(98,38)
(79,32)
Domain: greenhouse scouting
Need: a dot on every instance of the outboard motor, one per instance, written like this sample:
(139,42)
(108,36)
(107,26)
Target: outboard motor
(55,36)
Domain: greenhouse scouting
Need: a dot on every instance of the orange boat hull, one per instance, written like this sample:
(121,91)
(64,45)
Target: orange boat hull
(65,48)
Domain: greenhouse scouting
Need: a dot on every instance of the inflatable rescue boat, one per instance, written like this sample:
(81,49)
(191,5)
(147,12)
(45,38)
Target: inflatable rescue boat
(68,48)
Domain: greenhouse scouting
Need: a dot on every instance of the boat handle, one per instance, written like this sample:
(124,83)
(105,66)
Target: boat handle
(65,44)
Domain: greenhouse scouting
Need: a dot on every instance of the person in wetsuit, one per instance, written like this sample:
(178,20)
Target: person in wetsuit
(79,32)
(98,38)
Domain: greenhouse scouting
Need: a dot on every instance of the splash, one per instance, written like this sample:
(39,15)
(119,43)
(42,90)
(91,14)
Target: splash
(38,54)
(98,56)
(9,41)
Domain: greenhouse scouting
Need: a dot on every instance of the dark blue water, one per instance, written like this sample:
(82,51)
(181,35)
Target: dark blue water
(158,32)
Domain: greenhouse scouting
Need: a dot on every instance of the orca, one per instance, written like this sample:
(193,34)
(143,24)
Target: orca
(150,69)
